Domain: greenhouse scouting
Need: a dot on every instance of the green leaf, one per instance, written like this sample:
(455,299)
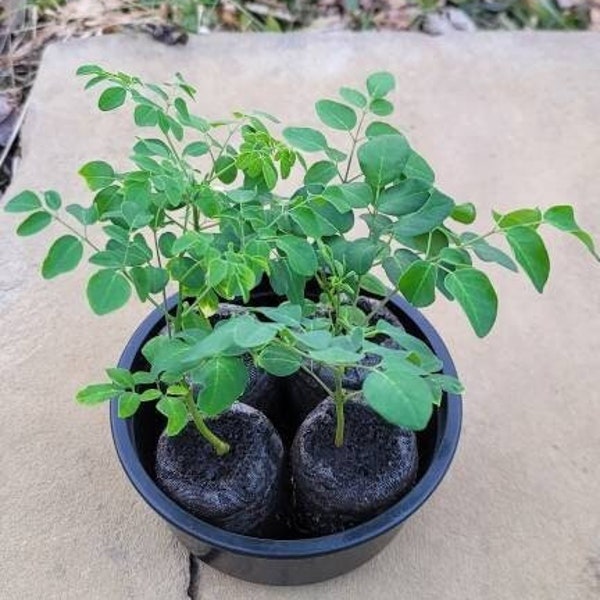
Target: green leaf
(94,81)
(378,225)
(129,402)
(353,97)
(448,383)
(377,128)
(530,217)
(191,239)
(224,380)
(404,198)
(397,264)
(106,258)
(417,166)
(335,155)
(112,98)
(455,256)
(153,147)
(286,282)
(64,255)
(34,223)
(269,173)
(336,115)
(145,116)
(427,359)
(399,397)
(121,377)
(240,279)
(305,138)
(530,252)
(563,217)
(336,356)
(331,221)
(432,214)
(383,158)
(417,283)
(89,70)
(477,297)
(167,123)
(26,201)
(225,169)
(251,333)
(85,216)
(218,341)
(300,254)
(464,213)
(308,221)
(279,360)
(52,199)
(97,174)
(108,201)
(371,284)
(355,195)
(187,271)
(150,395)
(177,389)
(286,314)
(486,252)
(135,215)
(358,255)
(158,90)
(182,109)
(196,149)
(381,107)
(216,271)
(380,84)
(175,411)
(320,172)
(165,244)
(315,340)
(140,281)
(96,393)
(107,290)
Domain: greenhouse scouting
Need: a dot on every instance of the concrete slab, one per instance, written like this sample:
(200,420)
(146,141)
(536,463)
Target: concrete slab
(507,120)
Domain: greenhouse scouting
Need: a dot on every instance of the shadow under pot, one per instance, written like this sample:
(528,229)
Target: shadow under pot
(336,488)
(304,393)
(239,491)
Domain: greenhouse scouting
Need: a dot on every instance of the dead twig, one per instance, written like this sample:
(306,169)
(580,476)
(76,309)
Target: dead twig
(15,132)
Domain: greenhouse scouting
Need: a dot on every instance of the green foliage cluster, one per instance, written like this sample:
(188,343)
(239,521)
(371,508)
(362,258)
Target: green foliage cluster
(198,212)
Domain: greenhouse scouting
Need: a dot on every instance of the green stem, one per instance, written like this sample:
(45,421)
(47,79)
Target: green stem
(219,446)
(327,389)
(80,235)
(338,398)
(164,292)
(353,148)
(196,218)
(380,305)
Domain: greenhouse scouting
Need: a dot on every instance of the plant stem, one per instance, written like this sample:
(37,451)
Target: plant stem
(219,446)
(353,148)
(380,305)
(81,236)
(164,292)
(329,391)
(338,398)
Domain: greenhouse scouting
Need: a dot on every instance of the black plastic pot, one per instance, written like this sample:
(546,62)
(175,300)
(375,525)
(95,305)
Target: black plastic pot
(285,561)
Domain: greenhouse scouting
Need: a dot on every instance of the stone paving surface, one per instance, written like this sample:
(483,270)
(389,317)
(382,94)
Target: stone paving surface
(506,120)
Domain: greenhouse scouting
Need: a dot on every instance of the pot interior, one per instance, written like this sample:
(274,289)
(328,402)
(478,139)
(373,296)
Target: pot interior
(148,423)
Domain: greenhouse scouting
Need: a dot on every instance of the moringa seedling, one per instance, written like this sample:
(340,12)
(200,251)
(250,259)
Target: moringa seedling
(198,212)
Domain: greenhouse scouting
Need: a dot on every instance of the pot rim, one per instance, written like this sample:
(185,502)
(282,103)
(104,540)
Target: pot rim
(449,422)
